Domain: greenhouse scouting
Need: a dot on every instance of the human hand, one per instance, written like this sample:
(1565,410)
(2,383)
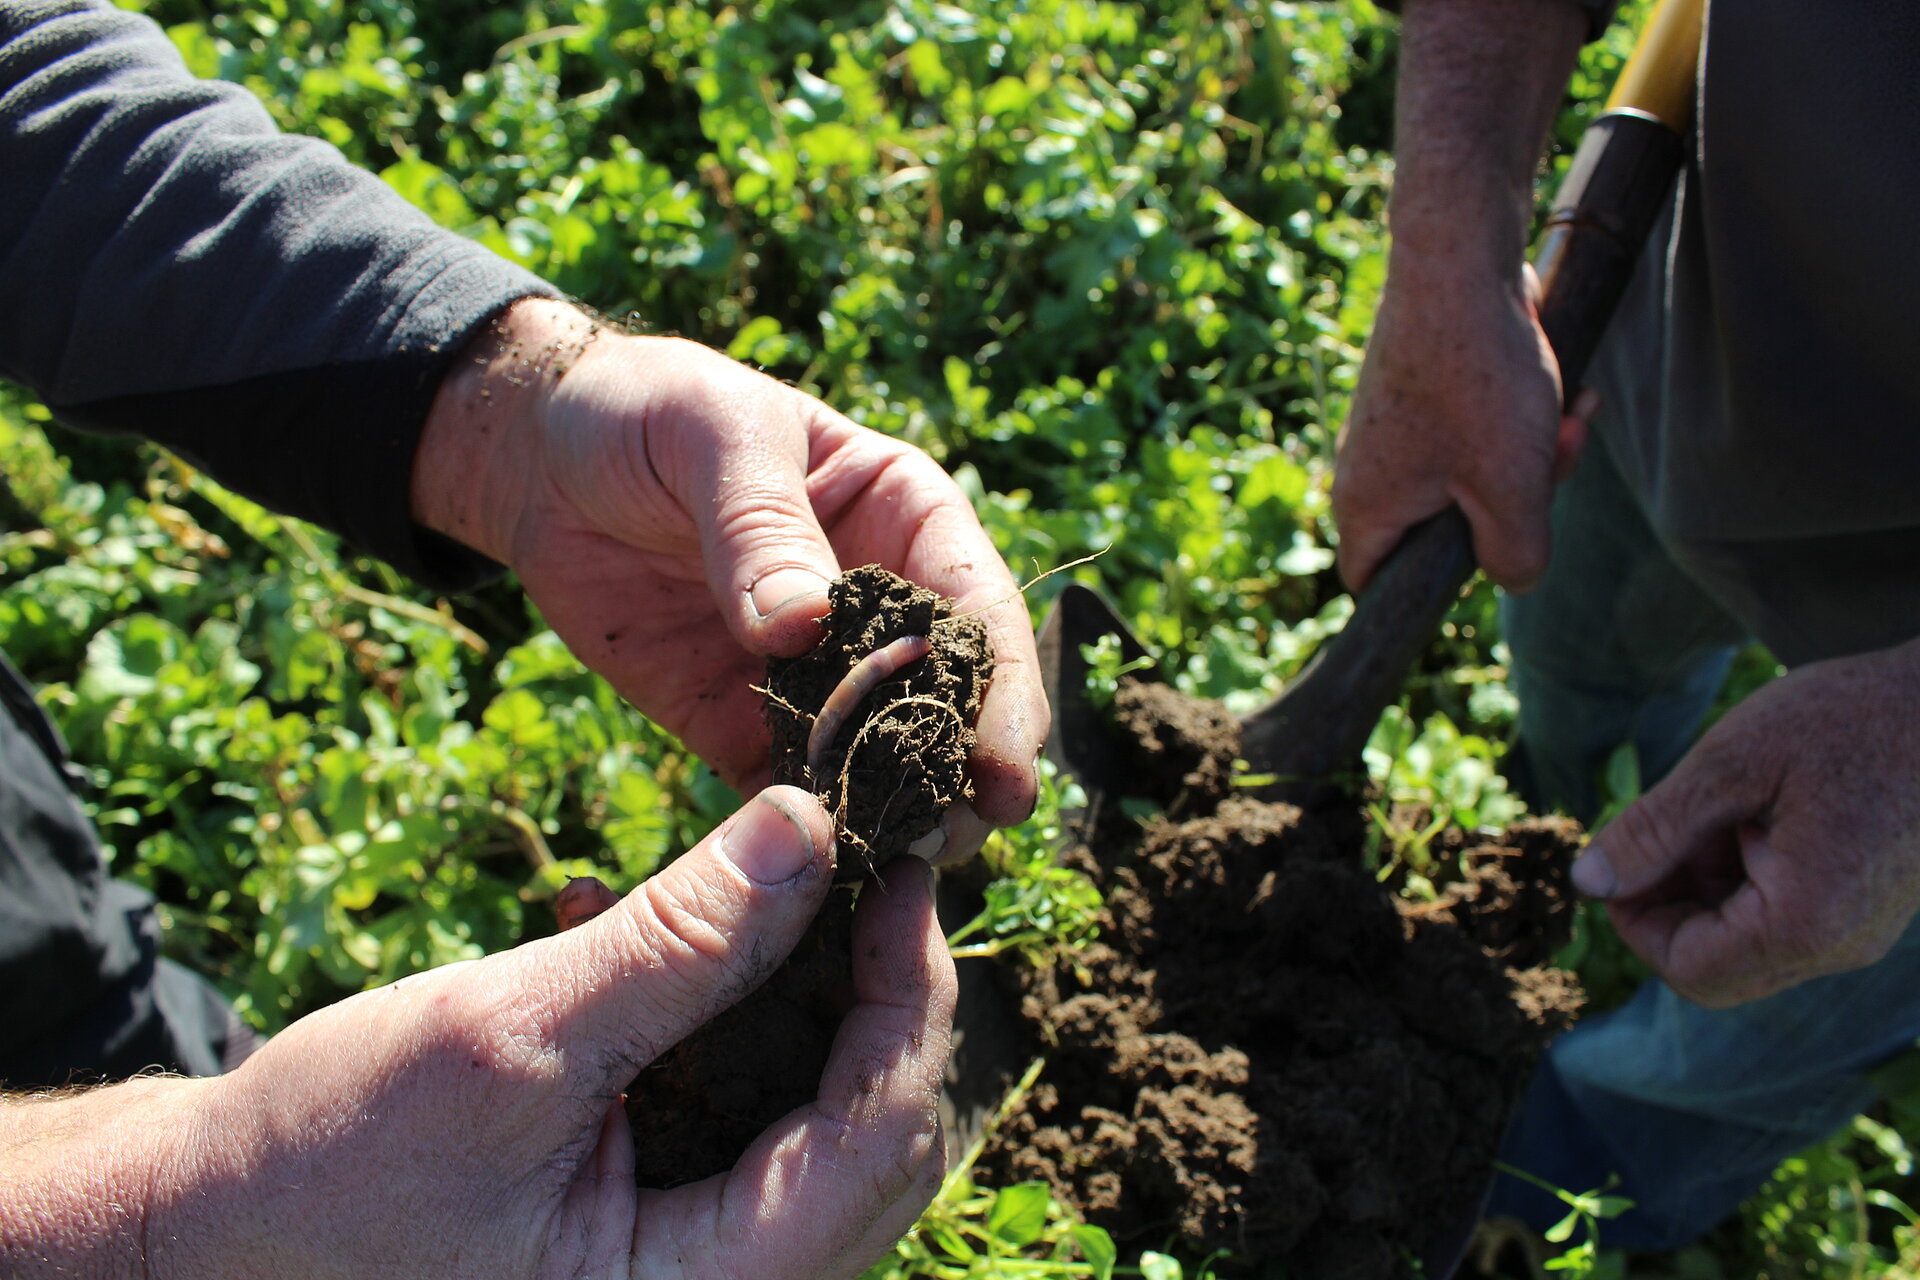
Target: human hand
(468,1121)
(1459,402)
(1460,396)
(1785,845)
(677,516)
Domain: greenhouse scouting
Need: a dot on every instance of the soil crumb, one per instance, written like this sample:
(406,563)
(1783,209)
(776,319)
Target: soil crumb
(1179,744)
(900,759)
(1269,1054)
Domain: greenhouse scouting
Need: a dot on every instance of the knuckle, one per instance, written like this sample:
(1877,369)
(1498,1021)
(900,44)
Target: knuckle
(1640,838)
(682,931)
(677,941)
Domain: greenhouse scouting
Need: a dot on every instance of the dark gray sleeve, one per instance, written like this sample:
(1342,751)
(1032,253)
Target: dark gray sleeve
(1599,12)
(172,265)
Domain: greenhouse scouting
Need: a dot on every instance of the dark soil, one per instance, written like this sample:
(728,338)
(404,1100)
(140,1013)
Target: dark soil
(896,765)
(697,1107)
(901,760)
(1267,1052)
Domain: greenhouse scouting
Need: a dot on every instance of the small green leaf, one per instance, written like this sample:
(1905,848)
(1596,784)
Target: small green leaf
(950,1242)
(1158,1266)
(1097,1247)
(1019,1213)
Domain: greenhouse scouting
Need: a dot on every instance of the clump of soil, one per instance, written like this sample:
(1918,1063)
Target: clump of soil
(900,760)
(897,763)
(1266,1052)
(698,1106)
(1183,747)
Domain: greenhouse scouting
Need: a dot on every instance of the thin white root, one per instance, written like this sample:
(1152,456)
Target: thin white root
(939,705)
(866,676)
(1025,587)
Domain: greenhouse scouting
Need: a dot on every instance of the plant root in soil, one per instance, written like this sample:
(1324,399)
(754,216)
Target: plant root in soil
(889,765)
(883,742)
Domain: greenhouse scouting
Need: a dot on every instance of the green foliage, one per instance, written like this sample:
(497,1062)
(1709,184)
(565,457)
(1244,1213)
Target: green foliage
(1034,905)
(1106,668)
(1585,1211)
(329,785)
(1021,1230)
(1430,780)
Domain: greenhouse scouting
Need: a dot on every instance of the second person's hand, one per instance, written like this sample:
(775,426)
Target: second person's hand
(1785,845)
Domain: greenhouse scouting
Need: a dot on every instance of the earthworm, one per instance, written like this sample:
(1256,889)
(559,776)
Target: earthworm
(866,676)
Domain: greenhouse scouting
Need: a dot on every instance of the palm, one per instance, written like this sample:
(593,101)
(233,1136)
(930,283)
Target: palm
(648,623)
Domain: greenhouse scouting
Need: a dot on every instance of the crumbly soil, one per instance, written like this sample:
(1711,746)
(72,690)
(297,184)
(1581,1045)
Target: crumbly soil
(896,765)
(900,760)
(1268,1053)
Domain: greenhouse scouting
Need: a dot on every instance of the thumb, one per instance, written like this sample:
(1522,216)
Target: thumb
(1686,826)
(692,939)
(768,562)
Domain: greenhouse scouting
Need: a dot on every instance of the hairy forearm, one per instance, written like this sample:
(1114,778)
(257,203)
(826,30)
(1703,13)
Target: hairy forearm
(1479,83)
(81,1175)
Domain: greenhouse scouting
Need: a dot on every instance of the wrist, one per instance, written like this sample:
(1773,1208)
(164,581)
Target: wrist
(480,447)
(93,1178)
(1479,84)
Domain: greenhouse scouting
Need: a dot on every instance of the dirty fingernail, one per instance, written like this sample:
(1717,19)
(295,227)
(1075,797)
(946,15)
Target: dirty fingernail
(580,900)
(768,841)
(782,587)
(1593,875)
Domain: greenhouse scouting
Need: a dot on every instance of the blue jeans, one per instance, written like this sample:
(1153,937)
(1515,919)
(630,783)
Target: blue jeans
(1690,1108)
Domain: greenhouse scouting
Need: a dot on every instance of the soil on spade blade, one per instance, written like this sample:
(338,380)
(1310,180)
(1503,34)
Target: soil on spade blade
(1266,1052)
(894,766)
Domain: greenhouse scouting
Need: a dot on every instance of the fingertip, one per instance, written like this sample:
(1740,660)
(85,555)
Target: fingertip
(1515,562)
(1004,793)
(1574,432)
(1586,403)
(909,871)
(1355,568)
(901,955)
(1593,874)
(778,835)
(786,609)
(1011,734)
(959,836)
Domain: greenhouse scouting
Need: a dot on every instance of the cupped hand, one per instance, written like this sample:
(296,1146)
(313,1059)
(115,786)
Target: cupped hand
(677,517)
(468,1121)
(1785,845)
(1459,402)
